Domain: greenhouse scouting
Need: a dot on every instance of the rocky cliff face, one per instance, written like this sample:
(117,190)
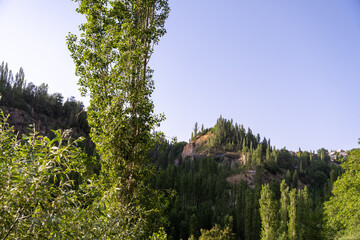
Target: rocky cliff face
(198,147)
(201,147)
(188,151)
(21,120)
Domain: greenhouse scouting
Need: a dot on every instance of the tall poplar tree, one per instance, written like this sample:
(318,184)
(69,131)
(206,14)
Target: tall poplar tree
(293,216)
(268,214)
(111,57)
(283,212)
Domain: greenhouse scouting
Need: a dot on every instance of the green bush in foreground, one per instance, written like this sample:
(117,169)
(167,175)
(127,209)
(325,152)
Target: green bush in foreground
(38,183)
(46,194)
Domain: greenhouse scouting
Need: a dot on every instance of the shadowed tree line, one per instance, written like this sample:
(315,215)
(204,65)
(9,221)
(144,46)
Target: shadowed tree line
(48,110)
(36,100)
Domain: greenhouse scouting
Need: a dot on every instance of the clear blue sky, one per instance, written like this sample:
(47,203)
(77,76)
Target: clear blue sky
(289,70)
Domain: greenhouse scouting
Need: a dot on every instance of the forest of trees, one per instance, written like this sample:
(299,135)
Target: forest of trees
(135,184)
(205,198)
(35,100)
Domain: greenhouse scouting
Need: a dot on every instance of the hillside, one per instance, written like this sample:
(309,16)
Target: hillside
(214,180)
(241,151)
(219,175)
(202,147)
(27,104)
(239,161)
(21,120)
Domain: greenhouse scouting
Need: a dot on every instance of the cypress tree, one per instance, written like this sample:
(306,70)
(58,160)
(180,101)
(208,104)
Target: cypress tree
(193,226)
(268,156)
(305,212)
(295,179)
(293,219)
(288,178)
(283,212)
(248,214)
(268,210)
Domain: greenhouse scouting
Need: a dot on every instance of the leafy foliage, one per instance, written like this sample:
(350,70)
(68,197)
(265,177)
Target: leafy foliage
(268,213)
(39,183)
(205,196)
(230,136)
(35,100)
(111,57)
(342,210)
(216,233)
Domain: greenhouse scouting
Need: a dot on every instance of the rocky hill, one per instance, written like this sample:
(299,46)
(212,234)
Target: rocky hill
(202,147)
(22,120)
(244,154)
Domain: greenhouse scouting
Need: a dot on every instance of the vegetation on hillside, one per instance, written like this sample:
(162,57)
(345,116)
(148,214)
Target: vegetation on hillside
(33,105)
(202,202)
(137,185)
(342,214)
(36,101)
(296,184)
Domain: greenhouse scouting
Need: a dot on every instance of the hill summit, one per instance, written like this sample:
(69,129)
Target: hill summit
(226,141)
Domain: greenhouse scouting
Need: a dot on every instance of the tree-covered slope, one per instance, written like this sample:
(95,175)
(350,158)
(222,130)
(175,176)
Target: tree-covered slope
(226,182)
(27,104)
(218,178)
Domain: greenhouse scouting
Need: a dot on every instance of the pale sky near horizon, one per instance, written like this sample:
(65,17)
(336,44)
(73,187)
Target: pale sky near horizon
(289,70)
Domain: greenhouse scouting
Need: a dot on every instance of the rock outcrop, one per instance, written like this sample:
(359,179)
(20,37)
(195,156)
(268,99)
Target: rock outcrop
(22,120)
(188,151)
(201,147)
(198,147)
